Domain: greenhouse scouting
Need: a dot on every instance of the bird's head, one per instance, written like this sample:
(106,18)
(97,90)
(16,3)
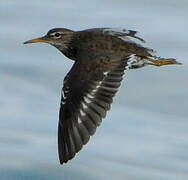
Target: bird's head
(58,37)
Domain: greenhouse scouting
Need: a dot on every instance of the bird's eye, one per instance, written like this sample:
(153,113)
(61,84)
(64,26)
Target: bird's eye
(57,35)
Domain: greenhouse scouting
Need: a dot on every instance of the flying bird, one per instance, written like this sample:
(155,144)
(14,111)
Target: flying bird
(101,56)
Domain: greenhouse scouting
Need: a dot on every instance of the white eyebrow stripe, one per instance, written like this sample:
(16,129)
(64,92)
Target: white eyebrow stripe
(57,32)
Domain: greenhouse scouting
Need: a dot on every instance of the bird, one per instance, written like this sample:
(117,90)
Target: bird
(101,57)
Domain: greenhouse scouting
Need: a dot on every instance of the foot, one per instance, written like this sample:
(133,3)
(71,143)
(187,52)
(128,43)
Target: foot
(162,61)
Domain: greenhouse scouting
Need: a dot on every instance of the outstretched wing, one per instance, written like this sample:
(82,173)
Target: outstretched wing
(129,37)
(123,33)
(87,95)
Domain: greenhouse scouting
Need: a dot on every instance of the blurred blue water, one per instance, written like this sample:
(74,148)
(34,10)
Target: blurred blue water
(145,134)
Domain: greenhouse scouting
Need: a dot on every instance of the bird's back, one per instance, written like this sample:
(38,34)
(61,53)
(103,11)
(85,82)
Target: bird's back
(113,41)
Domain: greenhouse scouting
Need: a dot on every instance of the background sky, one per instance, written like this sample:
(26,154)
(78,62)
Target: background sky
(143,137)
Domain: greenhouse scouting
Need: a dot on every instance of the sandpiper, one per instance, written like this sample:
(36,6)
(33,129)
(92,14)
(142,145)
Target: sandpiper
(101,56)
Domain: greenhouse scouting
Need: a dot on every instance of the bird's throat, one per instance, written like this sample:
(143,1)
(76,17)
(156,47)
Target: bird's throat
(68,51)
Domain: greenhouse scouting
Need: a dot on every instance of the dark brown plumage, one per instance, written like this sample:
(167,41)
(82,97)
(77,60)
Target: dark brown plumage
(101,56)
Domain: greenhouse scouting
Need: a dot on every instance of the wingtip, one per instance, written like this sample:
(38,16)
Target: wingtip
(134,35)
(63,161)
